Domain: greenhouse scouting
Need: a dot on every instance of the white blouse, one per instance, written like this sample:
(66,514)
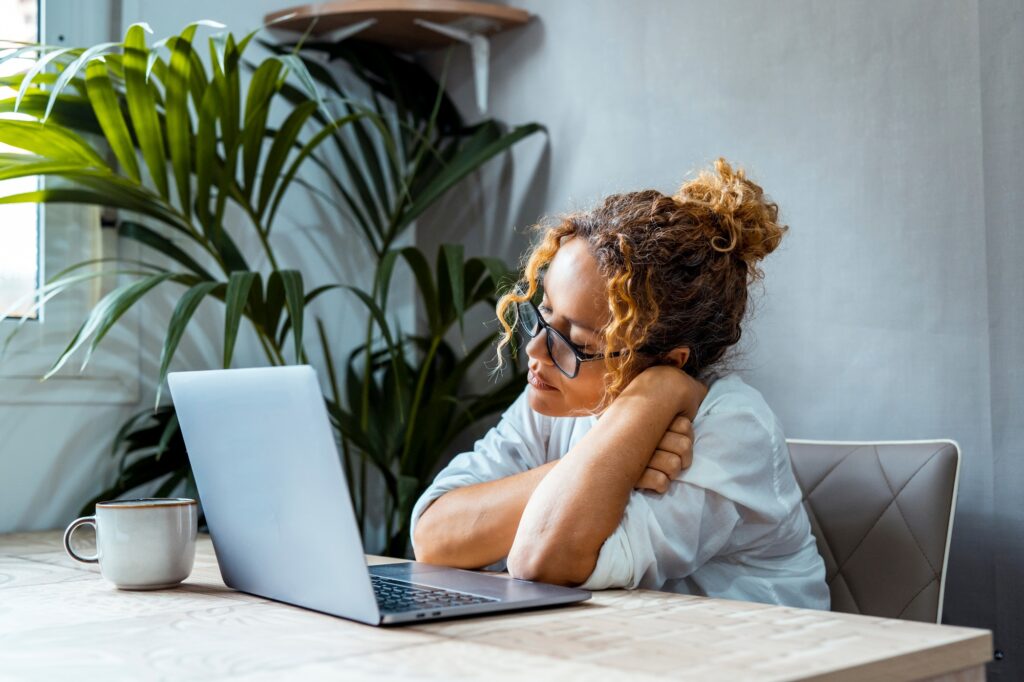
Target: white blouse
(730,526)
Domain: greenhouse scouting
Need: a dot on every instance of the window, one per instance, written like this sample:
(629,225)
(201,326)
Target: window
(36,240)
(19,223)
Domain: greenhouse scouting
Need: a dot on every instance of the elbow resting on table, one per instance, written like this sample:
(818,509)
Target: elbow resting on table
(426,545)
(556,566)
(435,541)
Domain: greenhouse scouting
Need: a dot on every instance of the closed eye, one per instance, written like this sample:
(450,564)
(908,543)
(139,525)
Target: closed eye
(547,312)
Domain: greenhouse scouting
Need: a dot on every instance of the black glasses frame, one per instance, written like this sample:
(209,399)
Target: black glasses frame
(552,333)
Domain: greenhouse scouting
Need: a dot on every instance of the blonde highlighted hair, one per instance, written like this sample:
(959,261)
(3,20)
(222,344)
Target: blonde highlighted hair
(677,268)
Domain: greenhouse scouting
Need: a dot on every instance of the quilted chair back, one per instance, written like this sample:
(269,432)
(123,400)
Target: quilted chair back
(882,514)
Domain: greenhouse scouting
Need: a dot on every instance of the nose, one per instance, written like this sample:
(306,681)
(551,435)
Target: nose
(537,348)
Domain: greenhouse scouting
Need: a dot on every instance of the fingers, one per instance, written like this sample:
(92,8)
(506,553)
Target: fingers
(681,425)
(668,463)
(678,444)
(652,479)
(678,439)
(673,454)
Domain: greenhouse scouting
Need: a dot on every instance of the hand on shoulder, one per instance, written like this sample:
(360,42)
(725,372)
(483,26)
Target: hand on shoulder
(671,384)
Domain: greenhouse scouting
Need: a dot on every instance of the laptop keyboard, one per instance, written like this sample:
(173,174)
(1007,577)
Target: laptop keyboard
(395,596)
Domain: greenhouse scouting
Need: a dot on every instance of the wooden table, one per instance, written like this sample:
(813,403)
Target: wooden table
(60,620)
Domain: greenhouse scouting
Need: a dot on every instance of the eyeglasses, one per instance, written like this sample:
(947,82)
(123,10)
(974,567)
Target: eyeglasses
(565,354)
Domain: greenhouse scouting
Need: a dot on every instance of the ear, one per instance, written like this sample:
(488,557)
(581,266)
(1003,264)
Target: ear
(677,357)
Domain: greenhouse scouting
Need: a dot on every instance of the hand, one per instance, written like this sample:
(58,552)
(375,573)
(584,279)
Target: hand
(673,454)
(673,385)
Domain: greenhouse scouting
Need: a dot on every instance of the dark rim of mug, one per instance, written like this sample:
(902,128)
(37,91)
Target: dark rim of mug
(153,502)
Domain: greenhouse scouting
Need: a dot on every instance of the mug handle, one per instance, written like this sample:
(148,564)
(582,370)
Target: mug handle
(85,520)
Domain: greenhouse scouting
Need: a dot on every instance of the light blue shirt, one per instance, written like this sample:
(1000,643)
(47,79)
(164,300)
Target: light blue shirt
(730,526)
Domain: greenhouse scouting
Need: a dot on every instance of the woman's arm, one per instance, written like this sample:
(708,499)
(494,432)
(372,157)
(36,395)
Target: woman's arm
(472,527)
(578,504)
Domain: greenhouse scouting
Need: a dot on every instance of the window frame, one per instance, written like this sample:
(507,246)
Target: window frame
(69,234)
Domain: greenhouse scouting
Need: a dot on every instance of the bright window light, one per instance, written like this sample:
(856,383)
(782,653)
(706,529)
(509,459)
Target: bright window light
(19,223)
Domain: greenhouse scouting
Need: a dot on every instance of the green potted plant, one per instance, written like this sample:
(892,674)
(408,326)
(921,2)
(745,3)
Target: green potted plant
(179,140)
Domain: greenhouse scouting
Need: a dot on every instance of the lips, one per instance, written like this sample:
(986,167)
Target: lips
(539,384)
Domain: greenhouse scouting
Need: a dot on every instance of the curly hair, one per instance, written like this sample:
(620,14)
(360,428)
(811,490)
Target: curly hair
(677,268)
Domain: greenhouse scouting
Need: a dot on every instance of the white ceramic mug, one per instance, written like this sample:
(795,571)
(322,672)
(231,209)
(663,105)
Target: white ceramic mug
(144,544)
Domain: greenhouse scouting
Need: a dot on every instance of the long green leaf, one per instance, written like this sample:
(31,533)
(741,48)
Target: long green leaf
(278,154)
(157,242)
(461,166)
(104,314)
(161,447)
(28,165)
(371,161)
(273,303)
(297,66)
(425,282)
(297,162)
(132,422)
(379,318)
(50,142)
(142,106)
(180,318)
(178,119)
(17,52)
(71,70)
(37,68)
(226,80)
(107,195)
(293,296)
(107,107)
(309,298)
(373,238)
(385,268)
(206,154)
(262,87)
(453,258)
(236,297)
(74,113)
(54,287)
(119,306)
(454,379)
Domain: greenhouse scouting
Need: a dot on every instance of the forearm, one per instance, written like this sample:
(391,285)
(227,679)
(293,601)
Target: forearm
(474,526)
(577,506)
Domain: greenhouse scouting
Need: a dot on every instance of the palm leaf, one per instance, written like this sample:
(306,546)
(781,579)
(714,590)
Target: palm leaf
(108,111)
(37,68)
(180,318)
(52,142)
(104,315)
(142,106)
(178,119)
(293,296)
(284,140)
(468,160)
(236,297)
(71,70)
(262,87)
(157,242)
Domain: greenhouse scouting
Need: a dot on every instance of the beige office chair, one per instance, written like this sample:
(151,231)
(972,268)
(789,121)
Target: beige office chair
(882,513)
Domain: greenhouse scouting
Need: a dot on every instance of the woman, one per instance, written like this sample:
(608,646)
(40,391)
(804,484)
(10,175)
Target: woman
(587,479)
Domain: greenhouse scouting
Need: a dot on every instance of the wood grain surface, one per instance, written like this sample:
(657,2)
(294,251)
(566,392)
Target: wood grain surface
(60,620)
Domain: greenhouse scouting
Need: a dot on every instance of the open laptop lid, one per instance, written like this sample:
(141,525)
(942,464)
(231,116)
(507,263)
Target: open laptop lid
(273,489)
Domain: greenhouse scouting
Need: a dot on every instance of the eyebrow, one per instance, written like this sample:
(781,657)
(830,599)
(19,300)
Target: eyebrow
(576,323)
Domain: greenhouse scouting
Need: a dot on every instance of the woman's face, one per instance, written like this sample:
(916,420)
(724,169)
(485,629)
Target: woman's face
(574,304)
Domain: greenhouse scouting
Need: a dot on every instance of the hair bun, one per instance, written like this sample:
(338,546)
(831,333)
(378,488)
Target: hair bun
(742,219)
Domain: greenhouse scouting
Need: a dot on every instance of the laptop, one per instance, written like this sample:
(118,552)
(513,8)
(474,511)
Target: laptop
(277,505)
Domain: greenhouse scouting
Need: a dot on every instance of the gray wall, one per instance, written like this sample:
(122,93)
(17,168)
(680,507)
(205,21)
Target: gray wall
(890,134)
(1002,109)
